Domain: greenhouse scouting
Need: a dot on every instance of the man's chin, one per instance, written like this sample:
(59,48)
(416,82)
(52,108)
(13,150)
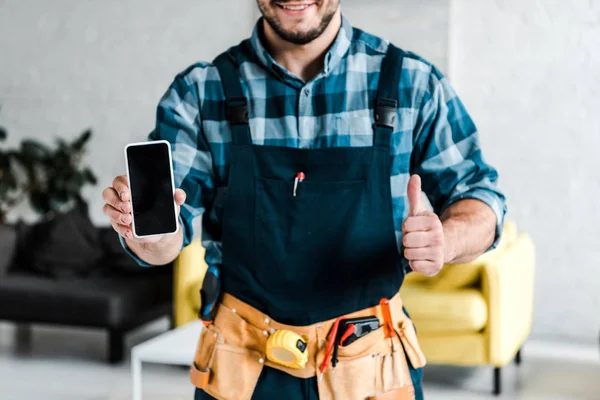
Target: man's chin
(298,36)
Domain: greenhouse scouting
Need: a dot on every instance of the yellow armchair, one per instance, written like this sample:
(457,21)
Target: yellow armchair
(472,314)
(188,274)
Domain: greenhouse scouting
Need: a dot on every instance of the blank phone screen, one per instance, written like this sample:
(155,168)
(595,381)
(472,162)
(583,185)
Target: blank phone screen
(151,189)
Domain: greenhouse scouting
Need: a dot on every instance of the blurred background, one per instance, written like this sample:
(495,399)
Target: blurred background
(527,71)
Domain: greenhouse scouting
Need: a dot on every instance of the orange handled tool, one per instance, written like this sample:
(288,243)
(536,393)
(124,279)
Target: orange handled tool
(333,335)
(388,325)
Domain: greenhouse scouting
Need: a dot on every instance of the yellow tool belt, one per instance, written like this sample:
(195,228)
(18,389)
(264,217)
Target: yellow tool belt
(230,355)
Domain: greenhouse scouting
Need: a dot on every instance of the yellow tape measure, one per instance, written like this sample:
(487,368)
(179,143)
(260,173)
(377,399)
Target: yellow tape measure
(287,348)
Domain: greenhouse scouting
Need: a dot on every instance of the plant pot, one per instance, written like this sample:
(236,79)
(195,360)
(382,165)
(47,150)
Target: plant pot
(8,246)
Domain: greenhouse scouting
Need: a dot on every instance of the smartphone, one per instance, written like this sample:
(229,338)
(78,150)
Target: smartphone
(150,177)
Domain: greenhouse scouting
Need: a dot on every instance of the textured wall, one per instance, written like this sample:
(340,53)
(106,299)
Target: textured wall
(71,64)
(529,72)
(416,25)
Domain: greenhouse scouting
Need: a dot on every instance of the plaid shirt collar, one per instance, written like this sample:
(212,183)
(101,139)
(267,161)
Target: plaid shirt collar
(334,56)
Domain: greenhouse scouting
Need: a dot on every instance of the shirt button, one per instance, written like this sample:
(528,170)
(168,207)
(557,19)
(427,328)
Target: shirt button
(306,92)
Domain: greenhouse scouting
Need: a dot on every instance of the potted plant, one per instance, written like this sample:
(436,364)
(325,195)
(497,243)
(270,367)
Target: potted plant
(11,193)
(65,241)
(51,178)
(11,189)
(55,176)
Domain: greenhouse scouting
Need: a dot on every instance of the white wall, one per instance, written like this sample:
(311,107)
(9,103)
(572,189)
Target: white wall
(67,65)
(529,72)
(416,25)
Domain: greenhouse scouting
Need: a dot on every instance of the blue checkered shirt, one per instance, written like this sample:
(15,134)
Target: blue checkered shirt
(433,130)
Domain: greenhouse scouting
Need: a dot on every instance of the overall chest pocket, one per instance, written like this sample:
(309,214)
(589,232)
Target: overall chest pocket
(316,227)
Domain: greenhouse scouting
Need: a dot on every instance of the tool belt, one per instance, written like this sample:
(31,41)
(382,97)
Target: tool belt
(230,355)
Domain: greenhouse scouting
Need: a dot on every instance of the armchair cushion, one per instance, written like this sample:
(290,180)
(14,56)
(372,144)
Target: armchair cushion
(443,312)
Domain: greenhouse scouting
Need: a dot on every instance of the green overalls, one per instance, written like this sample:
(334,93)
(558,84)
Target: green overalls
(304,252)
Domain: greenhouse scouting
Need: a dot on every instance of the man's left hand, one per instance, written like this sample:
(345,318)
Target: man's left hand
(423,238)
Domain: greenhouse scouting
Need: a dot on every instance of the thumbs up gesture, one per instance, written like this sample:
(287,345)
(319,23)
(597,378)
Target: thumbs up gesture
(423,237)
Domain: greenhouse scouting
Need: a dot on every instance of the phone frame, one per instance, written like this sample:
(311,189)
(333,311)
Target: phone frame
(150,143)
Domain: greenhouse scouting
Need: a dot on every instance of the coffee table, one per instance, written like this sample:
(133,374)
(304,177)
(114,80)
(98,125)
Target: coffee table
(175,347)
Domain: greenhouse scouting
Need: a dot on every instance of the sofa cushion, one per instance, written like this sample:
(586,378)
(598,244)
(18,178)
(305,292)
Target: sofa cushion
(8,246)
(445,311)
(107,301)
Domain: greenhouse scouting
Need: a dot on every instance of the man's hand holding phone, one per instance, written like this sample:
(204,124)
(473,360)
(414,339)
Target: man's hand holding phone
(143,206)
(117,207)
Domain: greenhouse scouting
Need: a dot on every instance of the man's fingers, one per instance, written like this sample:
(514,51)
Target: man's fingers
(420,223)
(117,216)
(109,195)
(179,196)
(121,187)
(122,230)
(416,239)
(427,268)
(423,254)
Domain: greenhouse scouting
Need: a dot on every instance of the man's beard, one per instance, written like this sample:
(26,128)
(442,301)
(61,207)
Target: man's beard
(299,38)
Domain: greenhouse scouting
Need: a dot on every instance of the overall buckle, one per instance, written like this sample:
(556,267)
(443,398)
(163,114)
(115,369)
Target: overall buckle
(385,112)
(237,110)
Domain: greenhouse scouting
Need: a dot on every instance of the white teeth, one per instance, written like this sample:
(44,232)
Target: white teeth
(295,8)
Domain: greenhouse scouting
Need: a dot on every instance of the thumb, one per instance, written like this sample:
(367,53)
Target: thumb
(179,196)
(414,195)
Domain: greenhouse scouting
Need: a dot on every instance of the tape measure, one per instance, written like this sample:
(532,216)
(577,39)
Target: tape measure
(287,348)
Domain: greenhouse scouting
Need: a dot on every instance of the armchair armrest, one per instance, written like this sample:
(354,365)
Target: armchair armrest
(188,274)
(508,286)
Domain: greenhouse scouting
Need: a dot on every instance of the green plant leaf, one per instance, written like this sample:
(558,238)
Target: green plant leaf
(8,179)
(40,202)
(89,176)
(80,142)
(62,146)
(34,151)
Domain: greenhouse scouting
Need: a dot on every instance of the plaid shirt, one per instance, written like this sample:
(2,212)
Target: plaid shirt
(433,131)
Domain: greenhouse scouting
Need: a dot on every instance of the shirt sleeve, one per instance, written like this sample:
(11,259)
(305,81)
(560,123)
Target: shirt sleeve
(178,122)
(447,154)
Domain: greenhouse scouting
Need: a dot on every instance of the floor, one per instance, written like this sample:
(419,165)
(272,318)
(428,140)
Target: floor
(59,363)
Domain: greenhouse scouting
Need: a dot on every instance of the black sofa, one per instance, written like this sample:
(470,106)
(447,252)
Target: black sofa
(116,295)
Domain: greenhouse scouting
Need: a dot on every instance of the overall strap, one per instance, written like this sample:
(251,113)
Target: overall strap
(386,104)
(235,103)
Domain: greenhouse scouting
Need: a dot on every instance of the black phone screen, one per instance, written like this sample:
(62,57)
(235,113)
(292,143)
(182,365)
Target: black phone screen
(151,189)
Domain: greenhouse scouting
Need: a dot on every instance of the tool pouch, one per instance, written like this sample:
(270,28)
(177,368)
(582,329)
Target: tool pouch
(223,368)
(408,336)
(367,368)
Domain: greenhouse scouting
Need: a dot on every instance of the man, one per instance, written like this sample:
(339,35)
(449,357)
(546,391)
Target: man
(299,145)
